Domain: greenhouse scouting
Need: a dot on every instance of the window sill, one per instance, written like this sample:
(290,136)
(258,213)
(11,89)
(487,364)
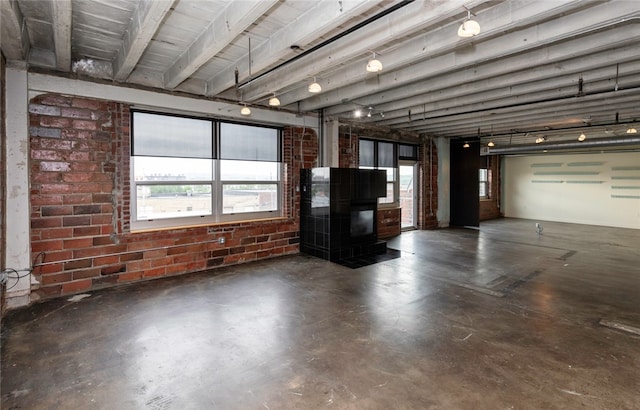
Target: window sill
(210,225)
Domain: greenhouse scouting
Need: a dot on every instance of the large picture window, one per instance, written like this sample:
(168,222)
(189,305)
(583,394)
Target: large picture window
(188,171)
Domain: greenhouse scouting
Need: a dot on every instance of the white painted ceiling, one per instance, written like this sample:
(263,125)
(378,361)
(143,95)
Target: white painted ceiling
(537,66)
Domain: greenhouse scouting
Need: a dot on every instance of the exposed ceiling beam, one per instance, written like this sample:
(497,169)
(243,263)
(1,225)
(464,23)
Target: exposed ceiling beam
(319,19)
(415,17)
(236,17)
(434,44)
(537,115)
(61,13)
(579,23)
(15,38)
(565,110)
(544,63)
(543,89)
(144,23)
(533,97)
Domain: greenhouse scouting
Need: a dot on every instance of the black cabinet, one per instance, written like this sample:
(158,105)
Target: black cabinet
(338,212)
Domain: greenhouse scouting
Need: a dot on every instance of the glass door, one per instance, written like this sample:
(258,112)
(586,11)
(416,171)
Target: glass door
(408,200)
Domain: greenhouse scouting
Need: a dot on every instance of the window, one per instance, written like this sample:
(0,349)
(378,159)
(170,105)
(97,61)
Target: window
(188,171)
(484,176)
(384,155)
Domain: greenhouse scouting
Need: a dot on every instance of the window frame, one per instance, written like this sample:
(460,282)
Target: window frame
(395,174)
(217,214)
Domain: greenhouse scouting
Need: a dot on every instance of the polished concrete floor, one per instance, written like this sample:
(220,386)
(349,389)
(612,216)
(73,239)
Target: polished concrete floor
(495,318)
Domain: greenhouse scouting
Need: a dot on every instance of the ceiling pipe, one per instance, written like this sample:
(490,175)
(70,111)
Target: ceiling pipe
(590,143)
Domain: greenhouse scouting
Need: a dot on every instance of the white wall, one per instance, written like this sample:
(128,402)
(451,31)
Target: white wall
(595,189)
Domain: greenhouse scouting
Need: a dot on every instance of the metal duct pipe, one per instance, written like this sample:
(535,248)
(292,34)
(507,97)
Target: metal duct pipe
(590,143)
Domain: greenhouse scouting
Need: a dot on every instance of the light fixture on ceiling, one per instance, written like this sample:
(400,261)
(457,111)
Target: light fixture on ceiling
(374,65)
(314,87)
(582,137)
(469,27)
(466,145)
(541,139)
(632,130)
(491,144)
(357,113)
(245,110)
(369,113)
(274,101)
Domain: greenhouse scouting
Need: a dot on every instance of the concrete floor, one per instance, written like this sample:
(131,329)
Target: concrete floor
(499,318)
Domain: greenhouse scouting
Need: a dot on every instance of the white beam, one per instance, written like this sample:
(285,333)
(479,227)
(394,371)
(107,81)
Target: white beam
(61,12)
(541,64)
(15,38)
(319,19)
(42,83)
(573,25)
(144,23)
(236,17)
(414,17)
(539,114)
(496,92)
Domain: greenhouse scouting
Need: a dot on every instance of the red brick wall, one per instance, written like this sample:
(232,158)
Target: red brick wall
(389,222)
(81,205)
(348,150)
(490,208)
(428,201)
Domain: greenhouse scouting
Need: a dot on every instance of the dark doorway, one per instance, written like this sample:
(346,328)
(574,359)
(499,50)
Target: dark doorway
(465,188)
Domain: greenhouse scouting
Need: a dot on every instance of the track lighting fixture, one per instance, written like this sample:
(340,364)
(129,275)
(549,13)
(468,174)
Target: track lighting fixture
(314,87)
(374,65)
(274,101)
(582,137)
(245,110)
(469,27)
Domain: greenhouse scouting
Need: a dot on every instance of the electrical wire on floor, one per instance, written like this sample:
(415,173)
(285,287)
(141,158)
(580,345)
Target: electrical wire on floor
(17,274)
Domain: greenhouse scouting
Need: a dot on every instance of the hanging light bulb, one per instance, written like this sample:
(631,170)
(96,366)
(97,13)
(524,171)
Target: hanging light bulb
(582,137)
(245,110)
(469,27)
(369,113)
(314,87)
(374,65)
(274,101)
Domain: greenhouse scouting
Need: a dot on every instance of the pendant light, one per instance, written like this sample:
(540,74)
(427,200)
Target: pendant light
(469,27)
(274,101)
(245,110)
(374,65)
(314,87)
(582,137)
(631,130)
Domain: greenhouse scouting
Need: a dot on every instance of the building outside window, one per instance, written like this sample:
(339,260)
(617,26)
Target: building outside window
(188,171)
(484,176)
